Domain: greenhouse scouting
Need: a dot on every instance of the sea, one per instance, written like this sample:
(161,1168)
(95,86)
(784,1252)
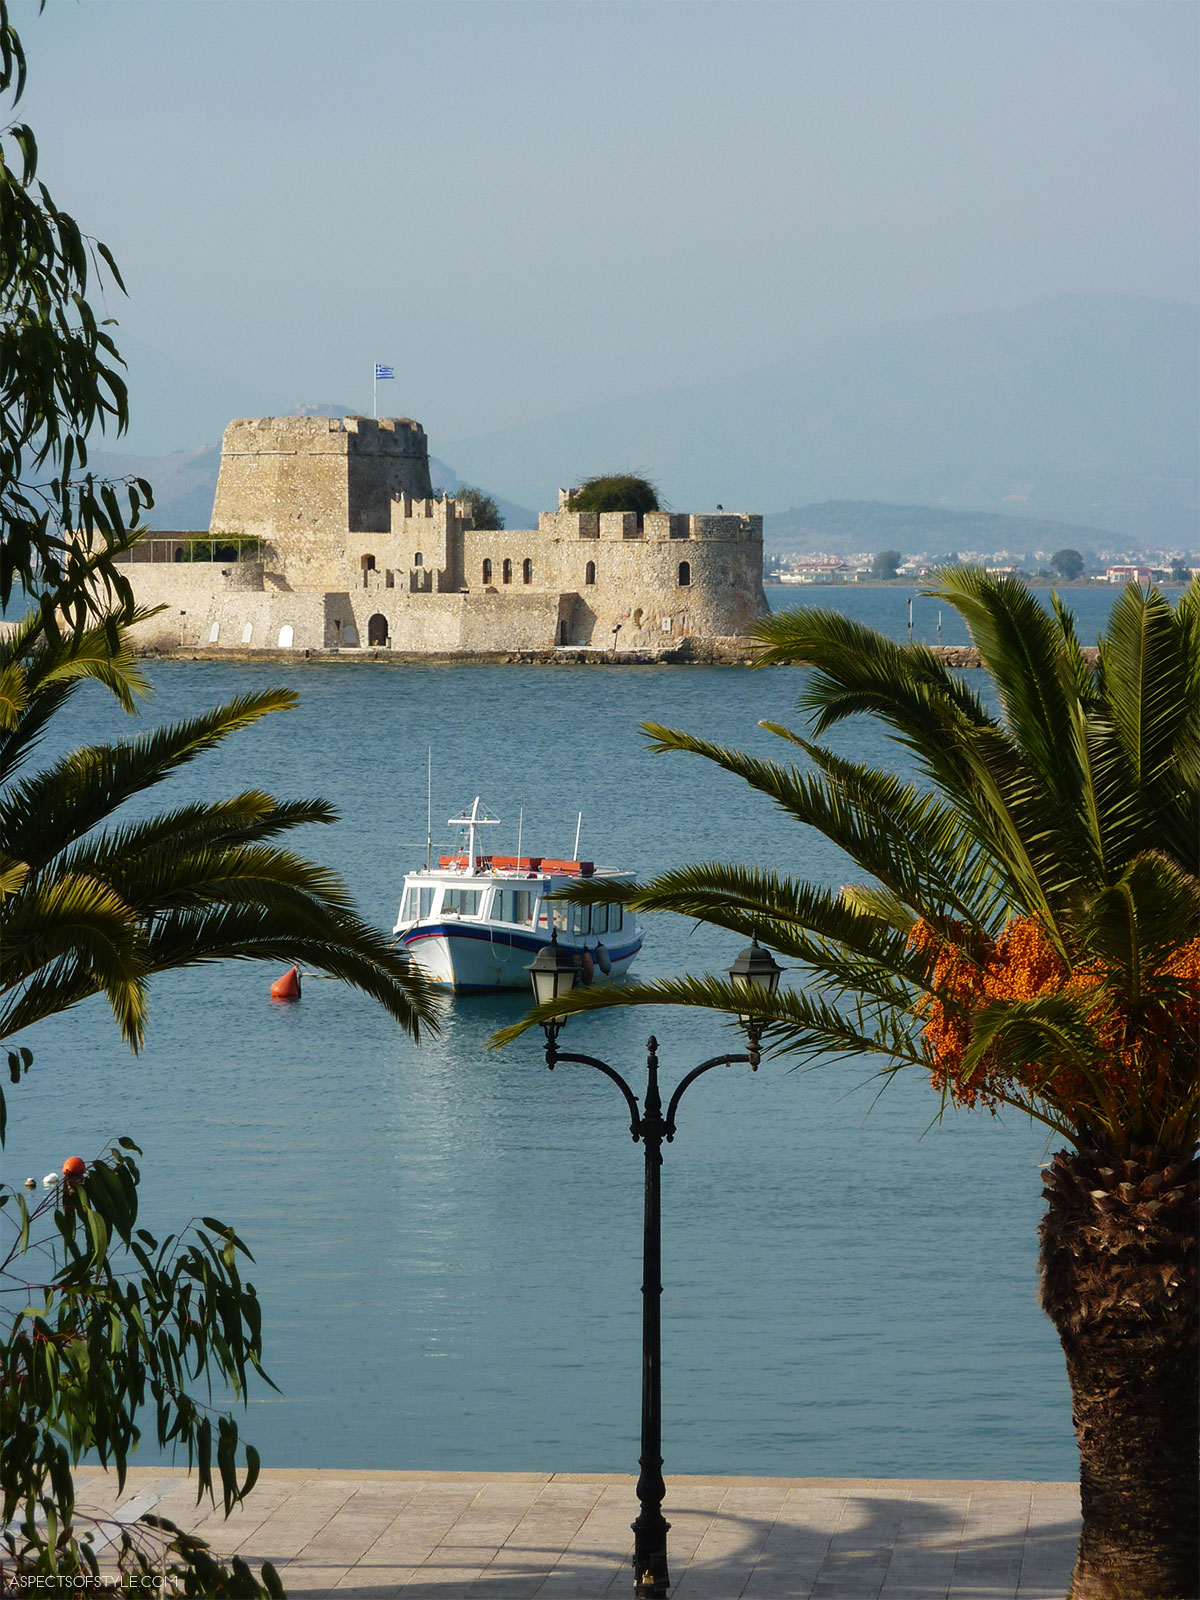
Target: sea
(447,1237)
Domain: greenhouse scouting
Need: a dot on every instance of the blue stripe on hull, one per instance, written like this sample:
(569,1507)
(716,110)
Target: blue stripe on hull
(524,943)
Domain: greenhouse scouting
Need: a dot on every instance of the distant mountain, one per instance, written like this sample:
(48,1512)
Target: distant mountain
(846,527)
(185,482)
(1081,409)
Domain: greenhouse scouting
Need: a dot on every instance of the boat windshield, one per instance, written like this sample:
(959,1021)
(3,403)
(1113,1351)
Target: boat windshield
(462,902)
(418,903)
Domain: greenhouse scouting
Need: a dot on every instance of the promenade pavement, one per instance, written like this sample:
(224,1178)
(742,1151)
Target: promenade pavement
(565,1536)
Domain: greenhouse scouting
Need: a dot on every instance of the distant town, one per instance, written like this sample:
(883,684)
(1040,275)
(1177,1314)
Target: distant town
(1117,566)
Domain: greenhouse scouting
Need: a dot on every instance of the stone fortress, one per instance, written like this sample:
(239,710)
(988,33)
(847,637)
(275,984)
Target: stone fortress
(326,535)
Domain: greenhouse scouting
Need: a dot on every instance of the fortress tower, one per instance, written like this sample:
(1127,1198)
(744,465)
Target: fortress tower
(301,485)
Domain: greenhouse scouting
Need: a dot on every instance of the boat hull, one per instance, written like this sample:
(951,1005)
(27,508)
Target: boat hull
(478,959)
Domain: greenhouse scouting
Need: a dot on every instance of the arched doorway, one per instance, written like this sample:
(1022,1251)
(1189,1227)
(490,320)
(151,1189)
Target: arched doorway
(286,634)
(377,629)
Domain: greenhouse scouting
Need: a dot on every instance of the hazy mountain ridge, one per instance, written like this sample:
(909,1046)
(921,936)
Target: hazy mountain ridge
(1079,409)
(848,527)
(185,481)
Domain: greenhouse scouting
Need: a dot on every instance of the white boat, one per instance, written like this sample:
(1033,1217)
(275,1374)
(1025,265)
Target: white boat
(475,921)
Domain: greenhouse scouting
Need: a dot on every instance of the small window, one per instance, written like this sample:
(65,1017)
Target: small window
(389,581)
(589,572)
(507,570)
(418,559)
(616,918)
(214,633)
(487,570)
(247,633)
(599,919)
(527,571)
(685,574)
(368,563)
(418,903)
(463,902)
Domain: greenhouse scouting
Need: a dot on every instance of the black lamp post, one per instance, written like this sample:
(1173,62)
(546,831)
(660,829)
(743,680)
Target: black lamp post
(553,975)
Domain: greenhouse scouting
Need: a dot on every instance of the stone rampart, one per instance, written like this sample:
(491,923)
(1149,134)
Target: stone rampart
(356,552)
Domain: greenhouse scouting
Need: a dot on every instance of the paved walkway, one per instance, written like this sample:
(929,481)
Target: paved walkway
(565,1536)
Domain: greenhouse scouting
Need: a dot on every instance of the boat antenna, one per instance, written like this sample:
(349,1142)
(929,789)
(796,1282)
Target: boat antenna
(429,810)
(520,825)
(578,826)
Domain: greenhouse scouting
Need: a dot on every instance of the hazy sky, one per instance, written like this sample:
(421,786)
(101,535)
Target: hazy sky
(527,206)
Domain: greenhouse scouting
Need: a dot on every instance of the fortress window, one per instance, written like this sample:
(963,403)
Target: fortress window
(487,570)
(589,572)
(389,579)
(527,571)
(418,560)
(507,570)
(368,563)
(685,573)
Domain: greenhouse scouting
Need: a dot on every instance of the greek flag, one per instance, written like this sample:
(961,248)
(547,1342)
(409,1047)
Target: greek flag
(383,372)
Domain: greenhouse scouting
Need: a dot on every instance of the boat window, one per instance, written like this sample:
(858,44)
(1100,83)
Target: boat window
(465,902)
(561,916)
(616,918)
(599,919)
(513,905)
(418,903)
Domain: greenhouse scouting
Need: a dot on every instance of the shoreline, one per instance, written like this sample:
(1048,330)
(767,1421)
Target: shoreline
(691,653)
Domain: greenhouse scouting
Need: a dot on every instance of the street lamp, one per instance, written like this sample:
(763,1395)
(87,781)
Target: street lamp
(552,975)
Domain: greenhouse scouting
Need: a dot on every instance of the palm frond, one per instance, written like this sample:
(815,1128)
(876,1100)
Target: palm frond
(45,813)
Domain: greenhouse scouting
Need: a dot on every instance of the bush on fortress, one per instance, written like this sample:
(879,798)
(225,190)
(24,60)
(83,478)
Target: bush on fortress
(615,492)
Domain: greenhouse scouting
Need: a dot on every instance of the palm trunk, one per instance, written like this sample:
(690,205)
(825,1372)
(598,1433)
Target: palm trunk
(1120,1284)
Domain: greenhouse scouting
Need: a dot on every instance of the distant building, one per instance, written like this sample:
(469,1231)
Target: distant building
(1128,574)
(325,534)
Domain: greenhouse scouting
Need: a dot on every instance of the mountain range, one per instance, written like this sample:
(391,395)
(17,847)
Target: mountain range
(1080,410)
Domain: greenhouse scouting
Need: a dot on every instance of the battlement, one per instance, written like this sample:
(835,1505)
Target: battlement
(440,511)
(358,436)
(730,527)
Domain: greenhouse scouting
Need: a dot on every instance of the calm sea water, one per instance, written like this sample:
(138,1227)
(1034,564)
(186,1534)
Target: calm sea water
(448,1239)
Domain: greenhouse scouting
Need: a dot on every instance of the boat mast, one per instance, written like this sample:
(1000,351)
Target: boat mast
(578,826)
(429,811)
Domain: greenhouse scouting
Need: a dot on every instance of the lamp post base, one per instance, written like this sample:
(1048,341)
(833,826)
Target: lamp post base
(651,1576)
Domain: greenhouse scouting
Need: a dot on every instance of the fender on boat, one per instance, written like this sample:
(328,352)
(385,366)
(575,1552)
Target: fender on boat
(603,960)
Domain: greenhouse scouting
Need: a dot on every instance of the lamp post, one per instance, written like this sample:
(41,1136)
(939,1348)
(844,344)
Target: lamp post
(552,974)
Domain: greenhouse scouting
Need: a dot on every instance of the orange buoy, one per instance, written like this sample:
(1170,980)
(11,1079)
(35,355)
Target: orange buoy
(74,1167)
(287,987)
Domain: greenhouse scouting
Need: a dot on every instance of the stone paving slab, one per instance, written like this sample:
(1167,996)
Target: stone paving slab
(376,1535)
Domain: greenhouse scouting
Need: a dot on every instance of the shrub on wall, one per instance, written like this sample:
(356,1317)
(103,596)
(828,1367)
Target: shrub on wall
(615,492)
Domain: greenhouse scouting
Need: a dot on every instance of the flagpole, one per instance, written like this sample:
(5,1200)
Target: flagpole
(375,391)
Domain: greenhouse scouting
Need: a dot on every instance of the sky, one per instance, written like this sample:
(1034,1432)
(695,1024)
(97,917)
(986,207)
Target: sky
(528,207)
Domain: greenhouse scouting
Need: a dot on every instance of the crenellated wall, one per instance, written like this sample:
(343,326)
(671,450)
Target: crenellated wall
(356,551)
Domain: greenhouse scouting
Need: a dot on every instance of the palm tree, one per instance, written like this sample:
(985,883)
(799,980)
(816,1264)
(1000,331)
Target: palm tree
(92,906)
(1026,937)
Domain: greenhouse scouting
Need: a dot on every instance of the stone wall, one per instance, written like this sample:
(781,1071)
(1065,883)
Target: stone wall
(357,553)
(301,483)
